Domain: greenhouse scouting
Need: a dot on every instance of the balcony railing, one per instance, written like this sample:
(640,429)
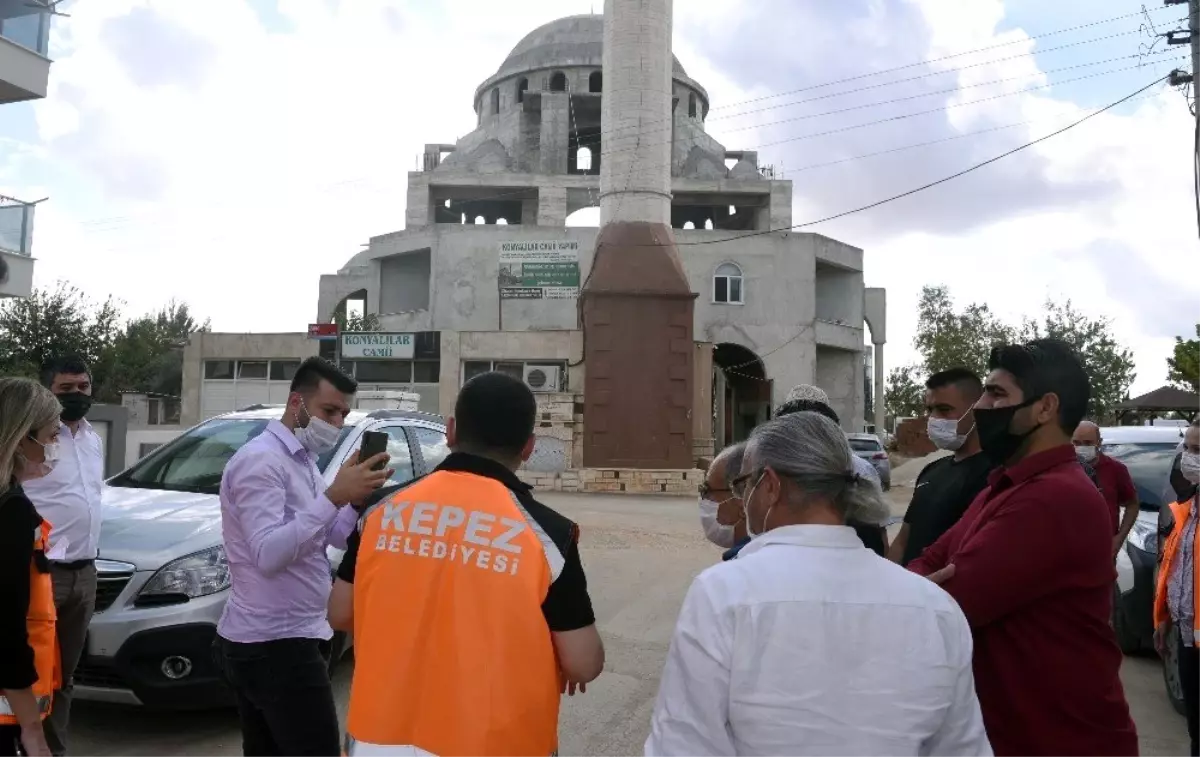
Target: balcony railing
(16,226)
(21,22)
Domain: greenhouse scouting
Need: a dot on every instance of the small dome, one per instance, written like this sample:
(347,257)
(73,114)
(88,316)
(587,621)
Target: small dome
(570,41)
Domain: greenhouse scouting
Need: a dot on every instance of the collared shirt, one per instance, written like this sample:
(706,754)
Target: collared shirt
(1181,583)
(69,496)
(945,489)
(277,522)
(1116,485)
(810,644)
(1033,573)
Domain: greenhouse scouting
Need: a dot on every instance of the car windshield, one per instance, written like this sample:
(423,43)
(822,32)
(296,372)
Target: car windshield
(195,461)
(865,445)
(1149,465)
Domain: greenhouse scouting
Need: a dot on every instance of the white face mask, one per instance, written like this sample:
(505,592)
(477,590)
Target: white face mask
(50,452)
(746,509)
(717,533)
(943,432)
(319,436)
(1189,466)
(1086,453)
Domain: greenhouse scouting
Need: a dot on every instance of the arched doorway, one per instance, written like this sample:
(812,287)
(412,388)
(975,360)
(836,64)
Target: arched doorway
(741,393)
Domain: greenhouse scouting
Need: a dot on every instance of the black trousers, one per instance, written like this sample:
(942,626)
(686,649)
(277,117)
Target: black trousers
(1189,676)
(10,740)
(285,700)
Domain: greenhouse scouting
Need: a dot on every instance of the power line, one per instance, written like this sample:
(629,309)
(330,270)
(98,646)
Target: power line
(916,145)
(894,82)
(932,184)
(922,188)
(956,55)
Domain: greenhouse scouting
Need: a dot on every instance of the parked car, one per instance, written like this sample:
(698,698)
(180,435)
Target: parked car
(163,574)
(1147,451)
(870,448)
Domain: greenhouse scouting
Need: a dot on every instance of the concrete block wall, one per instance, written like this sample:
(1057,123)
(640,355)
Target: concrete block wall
(618,481)
(558,434)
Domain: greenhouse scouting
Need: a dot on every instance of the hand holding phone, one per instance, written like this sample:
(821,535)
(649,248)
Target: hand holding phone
(373,443)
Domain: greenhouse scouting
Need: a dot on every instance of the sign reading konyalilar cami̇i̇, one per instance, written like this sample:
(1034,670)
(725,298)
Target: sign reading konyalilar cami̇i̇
(376,345)
(541,270)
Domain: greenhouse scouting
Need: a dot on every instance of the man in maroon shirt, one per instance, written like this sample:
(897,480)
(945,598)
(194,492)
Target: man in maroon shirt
(1113,479)
(1030,564)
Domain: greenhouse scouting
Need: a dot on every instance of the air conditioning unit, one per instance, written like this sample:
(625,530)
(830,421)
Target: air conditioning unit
(543,378)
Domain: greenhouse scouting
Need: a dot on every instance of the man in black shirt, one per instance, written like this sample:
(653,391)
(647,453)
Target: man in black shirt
(948,485)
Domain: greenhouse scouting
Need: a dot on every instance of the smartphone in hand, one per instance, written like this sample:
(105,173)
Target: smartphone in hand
(373,443)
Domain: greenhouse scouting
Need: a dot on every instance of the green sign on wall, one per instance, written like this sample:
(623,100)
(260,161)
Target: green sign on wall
(539,270)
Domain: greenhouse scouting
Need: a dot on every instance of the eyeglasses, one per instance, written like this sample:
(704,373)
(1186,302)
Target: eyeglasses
(706,490)
(738,485)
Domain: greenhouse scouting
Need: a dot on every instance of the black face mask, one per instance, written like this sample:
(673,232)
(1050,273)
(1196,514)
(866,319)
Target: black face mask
(75,405)
(994,428)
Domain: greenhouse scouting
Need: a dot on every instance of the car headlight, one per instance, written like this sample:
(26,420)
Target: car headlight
(1144,536)
(196,575)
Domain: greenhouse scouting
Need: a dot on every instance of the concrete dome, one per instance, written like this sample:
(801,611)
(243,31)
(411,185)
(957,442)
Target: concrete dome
(570,41)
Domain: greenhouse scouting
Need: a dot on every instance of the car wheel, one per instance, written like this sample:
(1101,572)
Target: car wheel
(1127,640)
(1171,670)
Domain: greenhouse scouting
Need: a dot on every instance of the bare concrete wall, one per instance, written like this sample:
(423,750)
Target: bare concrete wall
(224,346)
(839,373)
(404,282)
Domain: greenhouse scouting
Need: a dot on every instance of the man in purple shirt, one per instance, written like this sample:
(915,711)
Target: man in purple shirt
(278,517)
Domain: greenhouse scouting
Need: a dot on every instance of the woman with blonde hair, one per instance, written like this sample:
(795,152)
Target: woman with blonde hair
(29,658)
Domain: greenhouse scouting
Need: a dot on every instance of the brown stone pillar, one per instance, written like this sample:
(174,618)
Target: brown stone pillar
(638,351)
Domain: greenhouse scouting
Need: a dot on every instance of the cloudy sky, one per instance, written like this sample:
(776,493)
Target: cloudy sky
(228,152)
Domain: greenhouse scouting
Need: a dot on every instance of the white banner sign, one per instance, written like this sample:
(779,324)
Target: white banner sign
(376,346)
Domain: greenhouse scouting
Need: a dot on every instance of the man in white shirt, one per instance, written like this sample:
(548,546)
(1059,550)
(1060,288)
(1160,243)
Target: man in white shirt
(68,497)
(808,643)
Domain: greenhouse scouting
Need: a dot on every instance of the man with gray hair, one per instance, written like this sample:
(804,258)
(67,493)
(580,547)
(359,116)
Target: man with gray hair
(814,645)
(720,511)
(806,397)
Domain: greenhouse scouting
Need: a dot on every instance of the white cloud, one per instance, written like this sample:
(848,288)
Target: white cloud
(234,173)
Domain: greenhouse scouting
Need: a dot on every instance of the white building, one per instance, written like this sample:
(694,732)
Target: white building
(24,75)
(486,275)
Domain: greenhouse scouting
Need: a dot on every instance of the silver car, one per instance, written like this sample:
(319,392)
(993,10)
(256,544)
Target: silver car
(870,448)
(163,576)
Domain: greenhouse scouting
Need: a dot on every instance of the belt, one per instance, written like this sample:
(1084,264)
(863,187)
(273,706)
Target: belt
(74,564)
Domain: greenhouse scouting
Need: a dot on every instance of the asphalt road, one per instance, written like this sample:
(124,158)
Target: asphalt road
(640,554)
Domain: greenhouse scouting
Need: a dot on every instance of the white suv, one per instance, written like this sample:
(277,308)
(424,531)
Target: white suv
(163,576)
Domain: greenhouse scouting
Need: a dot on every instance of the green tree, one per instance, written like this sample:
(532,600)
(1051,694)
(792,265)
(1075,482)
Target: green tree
(947,338)
(1183,367)
(357,322)
(1108,364)
(147,356)
(55,322)
(904,395)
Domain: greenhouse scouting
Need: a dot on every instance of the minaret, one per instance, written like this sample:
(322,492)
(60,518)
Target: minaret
(637,303)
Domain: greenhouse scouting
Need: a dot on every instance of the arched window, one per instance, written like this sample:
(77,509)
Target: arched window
(558,82)
(583,159)
(689,225)
(480,220)
(692,105)
(522,85)
(708,224)
(727,284)
(495,101)
(501,221)
(596,82)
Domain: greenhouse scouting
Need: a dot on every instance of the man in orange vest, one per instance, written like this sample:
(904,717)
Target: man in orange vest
(466,597)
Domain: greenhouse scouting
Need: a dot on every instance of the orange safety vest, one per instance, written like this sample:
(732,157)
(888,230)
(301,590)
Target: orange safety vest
(40,625)
(453,654)
(1169,551)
